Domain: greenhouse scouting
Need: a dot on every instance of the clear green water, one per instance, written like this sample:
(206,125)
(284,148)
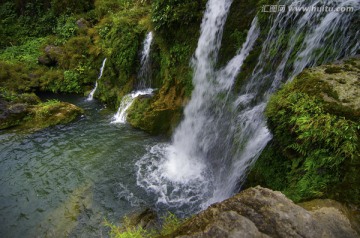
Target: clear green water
(65,180)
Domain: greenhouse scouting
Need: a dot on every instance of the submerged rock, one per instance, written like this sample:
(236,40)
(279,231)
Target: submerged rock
(261,212)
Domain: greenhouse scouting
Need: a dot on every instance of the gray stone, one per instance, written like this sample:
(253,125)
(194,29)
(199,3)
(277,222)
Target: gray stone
(261,212)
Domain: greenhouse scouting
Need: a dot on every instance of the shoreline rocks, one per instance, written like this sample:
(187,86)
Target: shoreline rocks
(261,212)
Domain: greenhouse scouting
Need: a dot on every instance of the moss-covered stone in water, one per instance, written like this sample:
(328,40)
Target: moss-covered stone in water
(159,114)
(50,114)
(28,112)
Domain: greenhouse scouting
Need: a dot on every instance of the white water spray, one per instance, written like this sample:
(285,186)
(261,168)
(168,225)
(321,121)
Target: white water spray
(126,102)
(179,173)
(91,95)
(144,75)
(223,133)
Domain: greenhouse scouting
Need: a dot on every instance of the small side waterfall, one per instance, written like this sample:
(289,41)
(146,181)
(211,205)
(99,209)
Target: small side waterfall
(143,87)
(91,95)
(144,75)
(126,102)
(223,132)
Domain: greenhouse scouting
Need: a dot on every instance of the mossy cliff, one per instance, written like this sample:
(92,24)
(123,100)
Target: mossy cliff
(316,145)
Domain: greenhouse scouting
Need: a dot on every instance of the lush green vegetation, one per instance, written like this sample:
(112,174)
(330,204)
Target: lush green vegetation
(128,230)
(315,145)
(65,53)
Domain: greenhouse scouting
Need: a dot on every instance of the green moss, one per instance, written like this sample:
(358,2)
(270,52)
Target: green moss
(26,111)
(51,113)
(144,115)
(333,70)
(315,150)
(268,168)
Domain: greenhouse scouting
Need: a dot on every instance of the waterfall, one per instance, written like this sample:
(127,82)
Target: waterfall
(144,75)
(91,95)
(126,102)
(224,132)
(143,85)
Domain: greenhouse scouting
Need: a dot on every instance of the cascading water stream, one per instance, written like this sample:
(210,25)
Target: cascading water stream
(126,102)
(224,132)
(91,95)
(144,75)
(144,84)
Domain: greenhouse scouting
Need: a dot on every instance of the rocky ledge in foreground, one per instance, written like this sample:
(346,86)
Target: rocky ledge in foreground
(260,212)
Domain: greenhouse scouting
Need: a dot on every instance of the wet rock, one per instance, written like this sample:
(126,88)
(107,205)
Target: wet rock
(261,212)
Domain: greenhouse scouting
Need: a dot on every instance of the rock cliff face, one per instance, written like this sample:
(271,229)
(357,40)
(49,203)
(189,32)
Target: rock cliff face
(260,212)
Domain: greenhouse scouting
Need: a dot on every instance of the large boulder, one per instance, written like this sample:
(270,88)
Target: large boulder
(261,212)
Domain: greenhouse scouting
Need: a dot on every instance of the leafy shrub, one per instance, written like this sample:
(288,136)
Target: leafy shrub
(169,14)
(67,81)
(27,53)
(315,143)
(65,28)
(71,82)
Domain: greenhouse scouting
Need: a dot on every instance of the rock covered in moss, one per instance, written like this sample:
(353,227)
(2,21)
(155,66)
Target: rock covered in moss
(260,212)
(316,126)
(51,113)
(28,112)
(52,53)
(337,85)
(159,114)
